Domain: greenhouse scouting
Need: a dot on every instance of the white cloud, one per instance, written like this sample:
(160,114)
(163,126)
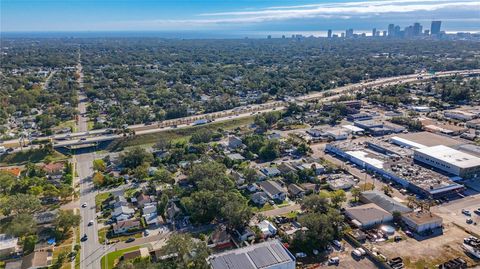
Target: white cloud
(345,10)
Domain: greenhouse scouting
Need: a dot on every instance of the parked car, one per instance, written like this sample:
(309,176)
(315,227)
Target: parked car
(334,261)
(466,212)
(357,253)
(469,221)
(130,240)
(300,255)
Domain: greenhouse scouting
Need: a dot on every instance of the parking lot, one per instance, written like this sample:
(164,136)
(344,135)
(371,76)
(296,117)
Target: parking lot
(429,252)
(452,212)
(347,261)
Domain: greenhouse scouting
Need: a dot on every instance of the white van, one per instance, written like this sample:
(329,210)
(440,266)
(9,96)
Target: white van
(357,253)
(362,251)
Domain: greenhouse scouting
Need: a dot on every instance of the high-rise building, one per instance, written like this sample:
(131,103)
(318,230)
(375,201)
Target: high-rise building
(417,29)
(349,33)
(391,29)
(384,33)
(435,28)
(426,32)
(374,32)
(329,33)
(396,31)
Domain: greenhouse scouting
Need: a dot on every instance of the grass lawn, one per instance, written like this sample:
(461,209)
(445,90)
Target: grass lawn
(291,215)
(90,125)
(265,207)
(100,198)
(102,235)
(179,134)
(69,124)
(31,155)
(112,257)
(283,204)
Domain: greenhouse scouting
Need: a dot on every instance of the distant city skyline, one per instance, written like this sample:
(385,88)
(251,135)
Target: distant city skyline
(215,16)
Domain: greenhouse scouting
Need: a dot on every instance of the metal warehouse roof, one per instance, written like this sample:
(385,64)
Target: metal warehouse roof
(262,255)
(451,156)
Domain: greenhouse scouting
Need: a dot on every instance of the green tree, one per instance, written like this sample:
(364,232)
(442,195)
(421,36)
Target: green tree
(236,210)
(318,203)
(20,204)
(99,165)
(164,176)
(190,253)
(356,193)
(337,198)
(65,221)
(270,151)
(136,157)
(22,225)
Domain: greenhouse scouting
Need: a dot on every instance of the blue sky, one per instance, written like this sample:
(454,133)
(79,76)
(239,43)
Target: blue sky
(232,15)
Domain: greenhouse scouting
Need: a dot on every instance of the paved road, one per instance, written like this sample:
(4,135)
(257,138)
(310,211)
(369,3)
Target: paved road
(91,250)
(280,211)
(325,96)
(452,212)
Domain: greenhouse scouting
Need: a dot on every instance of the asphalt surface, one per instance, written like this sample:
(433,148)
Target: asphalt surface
(233,113)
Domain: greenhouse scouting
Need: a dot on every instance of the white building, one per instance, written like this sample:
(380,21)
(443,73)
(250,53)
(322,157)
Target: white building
(337,134)
(459,115)
(449,160)
(368,215)
(422,221)
(8,245)
(266,255)
(267,228)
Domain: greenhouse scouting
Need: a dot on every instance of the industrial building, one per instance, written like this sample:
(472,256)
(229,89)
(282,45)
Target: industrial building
(395,164)
(266,255)
(449,160)
(422,221)
(368,215)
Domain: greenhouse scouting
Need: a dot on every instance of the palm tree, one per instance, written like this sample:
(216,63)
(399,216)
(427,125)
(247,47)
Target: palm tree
(412,202)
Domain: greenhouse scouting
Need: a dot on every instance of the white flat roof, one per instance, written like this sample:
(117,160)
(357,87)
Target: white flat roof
(452,156)
(407,142)
(362,155)
(353,128)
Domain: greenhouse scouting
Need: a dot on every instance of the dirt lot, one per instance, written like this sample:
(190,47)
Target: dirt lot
(429,252)
(452,212)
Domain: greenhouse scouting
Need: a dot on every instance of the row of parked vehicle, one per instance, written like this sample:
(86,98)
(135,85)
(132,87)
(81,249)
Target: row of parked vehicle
(396,263)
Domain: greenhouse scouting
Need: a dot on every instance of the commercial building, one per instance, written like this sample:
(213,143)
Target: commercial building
(383,201)
(459,115)
(449,160)
(475,124)
(422,221)
(368,215)
(359,117)
(266,255)
(394,164)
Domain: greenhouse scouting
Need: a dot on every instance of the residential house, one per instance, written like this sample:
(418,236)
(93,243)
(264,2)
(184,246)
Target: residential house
(286,168)
(244,234)
(54,170)
(270,171)
(45,217)
(39,258)
(236,157)
(267,228)
(125,226)
(150,214)
(139,253)
(143,199)
(123,213)
(273,190)
(172,212)
(234,142)
(239,179)
(13,170)
(259,198)
(295,191)
(8,245)
(119,201)
(220,238)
